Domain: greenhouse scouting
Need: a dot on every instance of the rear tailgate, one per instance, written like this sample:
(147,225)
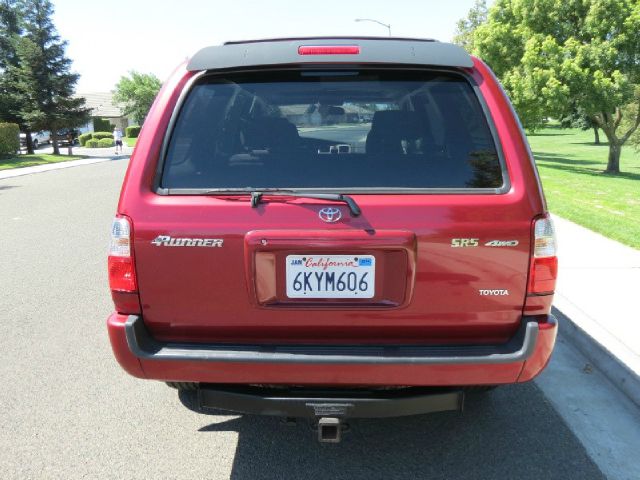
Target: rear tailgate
(427,287)
(445,230)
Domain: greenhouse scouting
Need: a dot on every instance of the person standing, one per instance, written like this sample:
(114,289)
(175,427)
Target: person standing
(117,137)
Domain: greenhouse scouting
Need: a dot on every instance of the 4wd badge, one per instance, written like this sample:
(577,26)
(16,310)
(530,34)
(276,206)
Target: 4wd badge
(502,243)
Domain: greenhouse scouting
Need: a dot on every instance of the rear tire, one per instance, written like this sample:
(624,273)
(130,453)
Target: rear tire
(188,386)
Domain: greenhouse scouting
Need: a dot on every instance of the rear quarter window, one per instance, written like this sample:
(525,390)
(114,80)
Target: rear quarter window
(347,131)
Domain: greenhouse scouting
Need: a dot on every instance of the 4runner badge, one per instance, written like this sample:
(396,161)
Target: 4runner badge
(167,241)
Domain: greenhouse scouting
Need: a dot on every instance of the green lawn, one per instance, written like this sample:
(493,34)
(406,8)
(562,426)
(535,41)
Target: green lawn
(571,166)
(37,159)
(131,142)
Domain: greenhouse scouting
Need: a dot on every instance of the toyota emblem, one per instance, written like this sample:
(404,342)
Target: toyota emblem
(330,214)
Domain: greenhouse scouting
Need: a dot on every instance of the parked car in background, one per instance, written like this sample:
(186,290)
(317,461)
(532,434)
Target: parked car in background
(38,138)
(367,270)
(67,136)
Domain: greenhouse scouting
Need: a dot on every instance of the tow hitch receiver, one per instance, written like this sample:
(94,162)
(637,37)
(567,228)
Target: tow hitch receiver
(329,430)
(329,407)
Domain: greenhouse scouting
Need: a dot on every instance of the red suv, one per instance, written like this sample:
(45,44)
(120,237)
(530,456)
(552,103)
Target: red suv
(332,228)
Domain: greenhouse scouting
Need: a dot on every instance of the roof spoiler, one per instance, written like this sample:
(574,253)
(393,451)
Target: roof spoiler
(373,50)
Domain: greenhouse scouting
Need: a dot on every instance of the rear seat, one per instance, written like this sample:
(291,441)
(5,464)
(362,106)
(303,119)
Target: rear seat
(390,128)
(274,134)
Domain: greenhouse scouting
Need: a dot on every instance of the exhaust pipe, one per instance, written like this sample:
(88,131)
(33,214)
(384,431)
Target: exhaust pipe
(329,430)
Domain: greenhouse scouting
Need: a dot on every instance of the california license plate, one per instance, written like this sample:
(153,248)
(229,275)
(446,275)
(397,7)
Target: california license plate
(331,276)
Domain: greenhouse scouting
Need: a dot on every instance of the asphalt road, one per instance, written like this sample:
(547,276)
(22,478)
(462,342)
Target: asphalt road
(69,411)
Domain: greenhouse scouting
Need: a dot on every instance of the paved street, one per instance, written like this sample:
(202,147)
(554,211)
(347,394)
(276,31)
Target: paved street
(69,411)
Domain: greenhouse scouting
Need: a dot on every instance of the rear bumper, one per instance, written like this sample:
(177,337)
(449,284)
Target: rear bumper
(520,359)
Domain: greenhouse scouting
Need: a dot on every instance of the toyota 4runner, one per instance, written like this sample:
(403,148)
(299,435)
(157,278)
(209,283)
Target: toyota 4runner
(332,228)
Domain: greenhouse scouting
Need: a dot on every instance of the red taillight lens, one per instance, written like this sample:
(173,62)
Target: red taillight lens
(543,271)
(543,275)
(122,274)
(328,50)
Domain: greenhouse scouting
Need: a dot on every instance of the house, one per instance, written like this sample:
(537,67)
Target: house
(103,108)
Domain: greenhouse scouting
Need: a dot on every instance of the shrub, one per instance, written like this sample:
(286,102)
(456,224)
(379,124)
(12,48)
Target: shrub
(92,143)
(105,142)
(101,125)
(133,131)
(9,138)
(84,137)
(99,135)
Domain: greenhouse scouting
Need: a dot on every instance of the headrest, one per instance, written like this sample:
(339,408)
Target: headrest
(404,123)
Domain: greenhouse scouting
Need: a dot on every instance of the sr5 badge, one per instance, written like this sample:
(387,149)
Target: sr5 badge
(464,242)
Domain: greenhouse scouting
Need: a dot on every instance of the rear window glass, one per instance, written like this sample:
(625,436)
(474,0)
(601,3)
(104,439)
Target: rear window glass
(346,131)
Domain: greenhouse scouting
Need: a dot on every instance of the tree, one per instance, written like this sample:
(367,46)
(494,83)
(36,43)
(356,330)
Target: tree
(626,123)
(44,76)
(9,31)
(552,53)
(466,27)
(576,118)
(11,101)
(137,93)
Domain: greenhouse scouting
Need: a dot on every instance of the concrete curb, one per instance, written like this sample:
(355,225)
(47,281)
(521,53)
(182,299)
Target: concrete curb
(17,172)
(625,379)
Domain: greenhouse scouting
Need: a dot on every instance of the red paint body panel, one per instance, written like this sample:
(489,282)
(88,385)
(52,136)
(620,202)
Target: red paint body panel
(427,292)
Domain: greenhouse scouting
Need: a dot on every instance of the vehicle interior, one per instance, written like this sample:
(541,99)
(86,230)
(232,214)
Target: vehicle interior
(342,130)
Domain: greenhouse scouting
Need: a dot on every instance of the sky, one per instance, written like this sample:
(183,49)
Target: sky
(106,40)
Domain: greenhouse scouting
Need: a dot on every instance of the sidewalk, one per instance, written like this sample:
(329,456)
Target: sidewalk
(90,152)
(94,155)
(598,290)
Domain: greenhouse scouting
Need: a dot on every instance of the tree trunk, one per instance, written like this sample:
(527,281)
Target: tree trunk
(54,142)
(596,134)
(613,163)
(609,125)
(29,144)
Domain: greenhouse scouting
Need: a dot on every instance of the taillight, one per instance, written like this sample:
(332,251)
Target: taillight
(544,262)
(329,50)
(122,274)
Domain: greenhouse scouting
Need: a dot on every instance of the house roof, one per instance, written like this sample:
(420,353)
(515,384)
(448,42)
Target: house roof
(101,104)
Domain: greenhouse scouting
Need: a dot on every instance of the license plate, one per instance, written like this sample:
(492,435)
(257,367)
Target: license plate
(331,276)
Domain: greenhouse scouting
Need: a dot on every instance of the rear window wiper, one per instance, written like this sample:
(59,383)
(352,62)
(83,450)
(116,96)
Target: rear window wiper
(256,197)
